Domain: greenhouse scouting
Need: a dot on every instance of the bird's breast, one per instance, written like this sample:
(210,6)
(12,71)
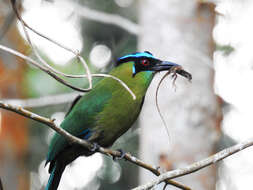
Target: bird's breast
(117,117)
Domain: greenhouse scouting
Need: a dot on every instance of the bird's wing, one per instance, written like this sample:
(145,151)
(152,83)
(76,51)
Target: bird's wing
(73,104)
(81,120)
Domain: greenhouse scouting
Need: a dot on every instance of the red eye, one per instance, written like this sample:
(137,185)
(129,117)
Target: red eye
(145,62)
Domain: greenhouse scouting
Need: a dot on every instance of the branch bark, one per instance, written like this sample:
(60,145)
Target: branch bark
(198,165)
(50,123)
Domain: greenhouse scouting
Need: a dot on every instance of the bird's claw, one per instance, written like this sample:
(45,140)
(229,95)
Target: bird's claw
(95,147)
(121,156)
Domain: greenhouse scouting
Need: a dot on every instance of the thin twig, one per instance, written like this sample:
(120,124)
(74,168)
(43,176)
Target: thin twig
(50,69)
(13,3)
(33,62)
(24,25)
(43,68)
(198,165)
(34,49)
(84,143)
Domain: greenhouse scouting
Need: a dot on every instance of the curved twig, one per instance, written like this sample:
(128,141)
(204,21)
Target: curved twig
(24,25)
(53,71)
(43,68)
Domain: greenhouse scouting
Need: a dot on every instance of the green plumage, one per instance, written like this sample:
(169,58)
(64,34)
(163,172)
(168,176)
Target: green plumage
(108,110)
(105,113)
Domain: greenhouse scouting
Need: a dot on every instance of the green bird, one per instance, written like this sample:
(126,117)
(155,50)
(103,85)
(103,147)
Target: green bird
(105,113)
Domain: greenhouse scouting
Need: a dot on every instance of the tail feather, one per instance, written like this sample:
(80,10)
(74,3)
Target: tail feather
(55,176)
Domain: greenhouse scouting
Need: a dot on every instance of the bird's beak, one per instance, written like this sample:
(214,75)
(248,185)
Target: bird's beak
(171,67)
(163,66)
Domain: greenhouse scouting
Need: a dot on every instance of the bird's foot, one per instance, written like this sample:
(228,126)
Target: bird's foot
(121,156)
(95,147)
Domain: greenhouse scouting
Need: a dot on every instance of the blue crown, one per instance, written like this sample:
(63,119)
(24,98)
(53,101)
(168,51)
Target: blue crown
(135,56)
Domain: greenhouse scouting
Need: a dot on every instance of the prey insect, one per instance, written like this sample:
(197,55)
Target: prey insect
(175,70)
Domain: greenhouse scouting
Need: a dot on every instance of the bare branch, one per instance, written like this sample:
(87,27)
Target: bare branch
(43,68)
(13,4)
(84,143)
(24,25)
(52,71)
(34,49)
(106,18)
(48,71)
(198,165)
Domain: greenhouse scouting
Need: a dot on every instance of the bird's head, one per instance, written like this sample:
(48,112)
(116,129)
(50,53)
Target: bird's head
(145,61)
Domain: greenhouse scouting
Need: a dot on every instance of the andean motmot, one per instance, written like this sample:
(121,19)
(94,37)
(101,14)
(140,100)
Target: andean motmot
(106,112)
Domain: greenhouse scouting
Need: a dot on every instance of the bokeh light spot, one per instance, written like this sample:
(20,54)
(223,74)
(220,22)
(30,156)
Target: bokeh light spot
(100,56)
(78,174)
(52,20)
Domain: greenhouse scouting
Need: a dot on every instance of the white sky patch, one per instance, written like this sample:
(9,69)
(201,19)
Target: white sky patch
(234,74)
(110,172)
(234,79)
(77,174)
(100,56)
(56,21)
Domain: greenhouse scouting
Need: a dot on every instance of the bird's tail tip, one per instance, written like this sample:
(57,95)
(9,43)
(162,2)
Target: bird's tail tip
(55,177)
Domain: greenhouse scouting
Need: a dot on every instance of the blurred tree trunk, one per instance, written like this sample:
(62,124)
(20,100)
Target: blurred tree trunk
(13,130)
(181,32)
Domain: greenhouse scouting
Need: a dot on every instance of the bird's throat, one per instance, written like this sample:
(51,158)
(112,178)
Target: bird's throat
(137,83)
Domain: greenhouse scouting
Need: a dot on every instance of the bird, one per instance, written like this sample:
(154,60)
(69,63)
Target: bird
(106,112)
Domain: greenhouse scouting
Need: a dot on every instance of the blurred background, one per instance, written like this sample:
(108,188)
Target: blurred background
(210,39)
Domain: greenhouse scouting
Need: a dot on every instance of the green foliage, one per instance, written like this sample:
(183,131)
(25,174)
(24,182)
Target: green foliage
(226,49)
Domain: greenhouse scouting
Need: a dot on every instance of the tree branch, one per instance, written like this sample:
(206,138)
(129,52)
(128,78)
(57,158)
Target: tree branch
(43,68)
(198,165)
(94,15)
(52,74)
(47,66)
(51,71)
(50,123)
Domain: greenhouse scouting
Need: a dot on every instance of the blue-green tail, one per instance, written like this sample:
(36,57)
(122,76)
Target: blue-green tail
(55,177)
